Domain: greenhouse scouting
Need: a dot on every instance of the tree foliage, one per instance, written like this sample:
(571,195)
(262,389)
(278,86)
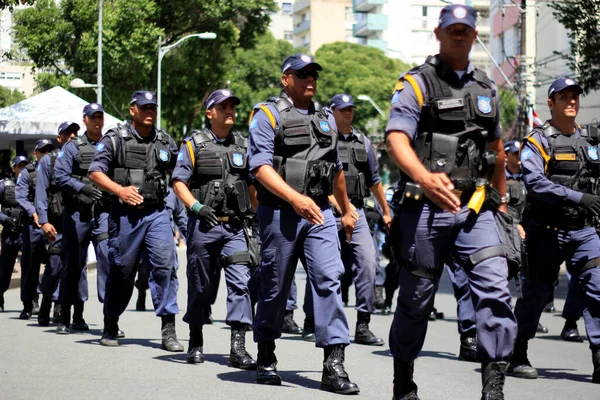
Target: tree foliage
(508,109)
(9,97)
(581,18)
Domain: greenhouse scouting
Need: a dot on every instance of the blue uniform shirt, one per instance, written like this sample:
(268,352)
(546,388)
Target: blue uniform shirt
(3,216)
(22,192)
(64,167)
(405,112)
(261,141)
(41,189)
(177,212)
(534,177)
(373,177)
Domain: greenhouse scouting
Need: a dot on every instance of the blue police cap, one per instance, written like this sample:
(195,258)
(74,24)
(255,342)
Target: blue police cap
(562,84)
(66,125)
(512,146)
(40,144)
(298,61)
(18,160)
(91,109)
(341,101)
(457,14)
(219,96)
(143,97)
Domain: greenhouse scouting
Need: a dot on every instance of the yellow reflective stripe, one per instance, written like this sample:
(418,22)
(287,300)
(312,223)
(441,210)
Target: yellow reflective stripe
(410,79)
(251,115)
(270,115)
(541,149)
(191,152)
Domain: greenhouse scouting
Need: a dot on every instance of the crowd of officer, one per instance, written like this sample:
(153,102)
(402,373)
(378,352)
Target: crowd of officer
(294,190)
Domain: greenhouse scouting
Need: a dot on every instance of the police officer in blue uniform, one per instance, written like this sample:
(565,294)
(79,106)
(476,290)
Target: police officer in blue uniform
(49,204)
(293,156)
(12,218)
(34,251)
(560,170)
(213,163)
(361,171)
(131,162)
(85,217)
(444,135)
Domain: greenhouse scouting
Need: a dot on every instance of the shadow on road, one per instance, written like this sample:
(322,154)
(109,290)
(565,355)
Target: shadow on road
(287,377)
(558,338)
(423,353)
(152,343)
(544,373)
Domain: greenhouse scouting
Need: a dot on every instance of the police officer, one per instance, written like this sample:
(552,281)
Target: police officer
(49,204)
(214,164)
(444,135)
(34,251)
(361,171)
(85,217)
(293,155)
(12,218)
(131,162)
(560,170)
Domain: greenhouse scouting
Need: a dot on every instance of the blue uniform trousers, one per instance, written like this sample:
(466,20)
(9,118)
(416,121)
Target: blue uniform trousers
(34,254)
(205,248)
(464,304)
(79,229)
(574,301)
(11,244)
(284,237)
(428,238)
(140,235)
(379,271)
(548,248)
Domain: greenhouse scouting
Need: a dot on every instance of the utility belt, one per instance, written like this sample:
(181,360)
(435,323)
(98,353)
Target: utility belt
(17,215)
(559,218)
(153,187)
(227,199)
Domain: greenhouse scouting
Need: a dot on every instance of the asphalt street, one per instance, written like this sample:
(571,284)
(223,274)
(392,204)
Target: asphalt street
(35,363)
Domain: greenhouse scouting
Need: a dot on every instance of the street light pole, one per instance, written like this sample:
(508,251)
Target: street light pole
(161,53)
(364,97)
(99,81)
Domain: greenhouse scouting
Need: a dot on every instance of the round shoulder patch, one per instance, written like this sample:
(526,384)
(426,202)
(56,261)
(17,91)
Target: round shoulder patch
(460,12)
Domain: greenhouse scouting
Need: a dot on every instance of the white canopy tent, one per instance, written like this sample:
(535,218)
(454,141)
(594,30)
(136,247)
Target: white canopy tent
(39,116)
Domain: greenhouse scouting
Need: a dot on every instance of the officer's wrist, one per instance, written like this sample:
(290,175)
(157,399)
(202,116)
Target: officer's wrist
(504,199)
(196,207)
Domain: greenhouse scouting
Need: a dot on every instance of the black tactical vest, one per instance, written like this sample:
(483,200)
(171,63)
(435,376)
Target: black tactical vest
(353,155)
(55,198)
(455,120)
(32,169)
(517,195)
(220,173)
(81,165)
(143,164)
(305,152)
(10,206)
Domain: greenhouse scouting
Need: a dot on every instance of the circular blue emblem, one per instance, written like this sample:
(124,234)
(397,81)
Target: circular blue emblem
(163,155)
(593,153)
(484,104)
(238,159)
(324,126)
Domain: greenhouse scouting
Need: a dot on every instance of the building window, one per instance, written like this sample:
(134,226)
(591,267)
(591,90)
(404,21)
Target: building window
(424,11)
(286,8)
(287,35)
(349,14)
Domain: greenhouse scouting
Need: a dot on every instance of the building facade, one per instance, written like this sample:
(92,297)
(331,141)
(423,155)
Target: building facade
(282,22)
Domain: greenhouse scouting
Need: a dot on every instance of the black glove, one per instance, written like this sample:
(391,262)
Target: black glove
(90,191)
(207,214)
(10,224)
(591,203)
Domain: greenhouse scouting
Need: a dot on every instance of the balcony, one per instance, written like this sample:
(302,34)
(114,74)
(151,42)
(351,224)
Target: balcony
(301,26)
(370,24)
(378,43)
(300,5)
(366,5)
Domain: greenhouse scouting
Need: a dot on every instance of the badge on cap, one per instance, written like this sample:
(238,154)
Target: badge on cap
(570,82)
(305,58)
(94,106)
(460,12)
(324,126)
(484,104)
(148,95)
(593,153)
(99,147)
(163,155)
(226,93)
(345,98)
(238,159)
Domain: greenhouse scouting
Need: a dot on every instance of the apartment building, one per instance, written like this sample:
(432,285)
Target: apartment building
(282,22)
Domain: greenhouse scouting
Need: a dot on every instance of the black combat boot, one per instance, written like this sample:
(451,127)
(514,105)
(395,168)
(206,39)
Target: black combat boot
(387,307)
(379,301)
(238,356)
(289,325)
(570,333)
(195,353)
(266,371)
(78,321)
(541,328)
(363,334)
(64,322)
(110,332)
(519,366)
(492,378)
(334,378)
(56,313)
(26,313)
(405,387)
(468,347)
(596,360)
(169,336)
(36,305)
(44,314)
(308,333)
(140,304)
(1,302)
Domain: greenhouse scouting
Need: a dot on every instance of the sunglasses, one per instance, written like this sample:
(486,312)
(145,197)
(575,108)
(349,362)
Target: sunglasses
(305,73)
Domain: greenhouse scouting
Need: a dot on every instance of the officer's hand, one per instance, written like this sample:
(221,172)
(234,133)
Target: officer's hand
(207,214)
(438,188)
(10,224)
(521,231)
(36,221)
(49,231)
(90,191)
(503,207)
(387,221)
(130,195)
(353,212)
(591,203)
(308,209)
(348,224)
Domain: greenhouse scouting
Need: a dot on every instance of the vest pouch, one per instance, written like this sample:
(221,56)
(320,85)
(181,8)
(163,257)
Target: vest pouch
(121,176)
(214,196)
(296,135)
(154,189)
(360,155)
(296,172)
(323,133)
(237,161)
(345,153)
(135,156)
(238,200)
(136,178)
(320,179)
(209,165)
(85,158)
(55,210)
(443,153)
(17,215)
(355,186)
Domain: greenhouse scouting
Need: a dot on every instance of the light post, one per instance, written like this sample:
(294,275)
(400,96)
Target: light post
(161,53)
(364,97)
(99,77)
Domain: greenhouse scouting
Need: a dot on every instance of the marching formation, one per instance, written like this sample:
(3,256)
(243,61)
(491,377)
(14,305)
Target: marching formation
(294,190)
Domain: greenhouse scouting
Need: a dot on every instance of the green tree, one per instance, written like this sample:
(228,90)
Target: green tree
(508,109)
(9,97)
(580,17)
